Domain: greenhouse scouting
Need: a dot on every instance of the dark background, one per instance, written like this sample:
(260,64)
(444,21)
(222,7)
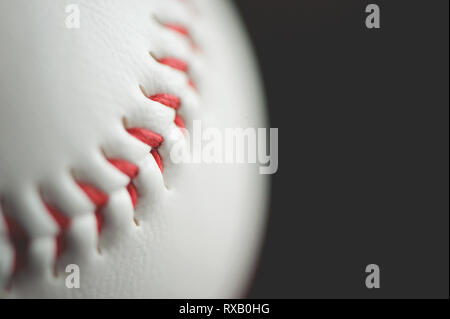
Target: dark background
(363,147)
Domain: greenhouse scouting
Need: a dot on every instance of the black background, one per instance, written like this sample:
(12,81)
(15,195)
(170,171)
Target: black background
(363,147)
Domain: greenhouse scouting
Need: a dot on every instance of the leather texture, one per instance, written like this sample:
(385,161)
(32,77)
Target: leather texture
(66,99)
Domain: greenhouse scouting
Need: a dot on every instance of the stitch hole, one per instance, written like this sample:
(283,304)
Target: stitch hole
(124,122)
(74,174)
(155,18)
(143,91)
(104,153)
(154,57)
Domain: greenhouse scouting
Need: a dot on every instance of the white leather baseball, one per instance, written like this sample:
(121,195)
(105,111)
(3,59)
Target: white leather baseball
(68,99)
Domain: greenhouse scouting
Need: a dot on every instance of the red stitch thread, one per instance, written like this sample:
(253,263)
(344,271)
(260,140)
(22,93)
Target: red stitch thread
(20,242)
(171,101)
(158,159)
(131,171)
(133,193)
(150,138)
(178,65)
(99,198)
(63,223)
(125,167)
(192,84)
(183,31)
(146,136)
(19,238)
(178,28)
(175,63)
(180,122)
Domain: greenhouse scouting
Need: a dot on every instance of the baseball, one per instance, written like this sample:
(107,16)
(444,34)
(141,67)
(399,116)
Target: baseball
(96,100)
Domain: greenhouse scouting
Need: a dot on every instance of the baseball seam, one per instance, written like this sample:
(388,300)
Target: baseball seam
(18,237)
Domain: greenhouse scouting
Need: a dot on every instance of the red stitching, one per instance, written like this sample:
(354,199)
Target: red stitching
(131,171)
(171,101)
(20,241)
(179,65)
(179,121)
(17,235)
(64,223)
(192,84)
(150,138)
(98,198)
(175,63)
(168,100)
(158,159)
(125,167)
(178,28)
(132,190)
(146,136)
(182,30)
(19,238)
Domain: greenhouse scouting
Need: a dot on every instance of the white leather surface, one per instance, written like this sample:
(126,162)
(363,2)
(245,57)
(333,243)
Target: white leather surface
(63,97)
